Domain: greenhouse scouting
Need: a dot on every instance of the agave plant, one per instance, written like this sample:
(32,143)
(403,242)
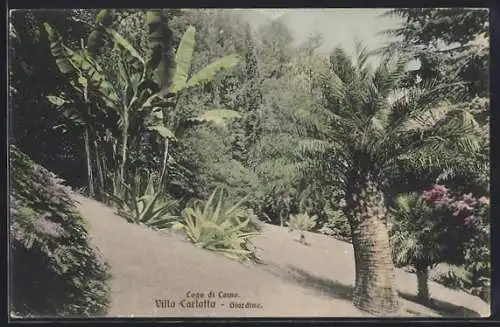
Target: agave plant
(149,208)
(301,222)
(213,227)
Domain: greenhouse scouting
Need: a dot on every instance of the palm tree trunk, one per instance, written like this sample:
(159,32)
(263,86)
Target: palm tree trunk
(375,289)
(423,282)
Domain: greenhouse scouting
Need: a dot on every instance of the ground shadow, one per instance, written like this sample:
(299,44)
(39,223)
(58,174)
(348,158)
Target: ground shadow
(319,285)
(334,289)
(443,308)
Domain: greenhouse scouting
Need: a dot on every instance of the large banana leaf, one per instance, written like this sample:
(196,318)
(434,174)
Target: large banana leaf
(96,38)
(163,131)
(67,109)
(158,47)
(207,74)
(104,18)
(80,65)
(121,41)
(183,58)
(57,50)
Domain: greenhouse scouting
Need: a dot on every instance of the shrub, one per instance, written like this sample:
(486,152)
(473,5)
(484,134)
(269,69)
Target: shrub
(54,271)
(445,237)
(218,227)
(301,222)
(150,208)
(337,226)
(473,215)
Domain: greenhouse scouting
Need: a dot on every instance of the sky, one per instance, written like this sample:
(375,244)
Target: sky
(338,26)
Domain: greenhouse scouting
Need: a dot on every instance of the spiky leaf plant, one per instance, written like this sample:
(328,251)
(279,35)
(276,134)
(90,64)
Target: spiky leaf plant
(217,227)
(148,208)
(301,222)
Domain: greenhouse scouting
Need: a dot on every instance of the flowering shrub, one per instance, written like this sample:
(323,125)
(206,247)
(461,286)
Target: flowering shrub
(471,211)
(55,270)
(472,216)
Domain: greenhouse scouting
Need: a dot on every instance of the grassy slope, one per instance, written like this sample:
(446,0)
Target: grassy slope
(295,280)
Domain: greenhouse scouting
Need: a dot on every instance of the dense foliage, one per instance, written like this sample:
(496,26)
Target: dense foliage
(436,229)
(154,110)
(471,243)
(451,46)
(54,269)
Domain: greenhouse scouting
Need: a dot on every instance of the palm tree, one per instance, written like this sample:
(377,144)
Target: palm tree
(429,240)
(413,238)
(368,128)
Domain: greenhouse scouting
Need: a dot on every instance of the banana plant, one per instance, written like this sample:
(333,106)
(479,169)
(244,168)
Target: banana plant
(143,87)
(182,81)
(86,78)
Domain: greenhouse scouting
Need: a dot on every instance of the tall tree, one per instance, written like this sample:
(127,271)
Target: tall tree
(451,44)
(29,70)
(371,130)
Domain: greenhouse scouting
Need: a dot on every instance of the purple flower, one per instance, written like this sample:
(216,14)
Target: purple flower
(440,188)
(435,194)
(460,206)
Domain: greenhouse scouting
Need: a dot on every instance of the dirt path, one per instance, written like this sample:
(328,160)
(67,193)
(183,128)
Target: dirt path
(155,275)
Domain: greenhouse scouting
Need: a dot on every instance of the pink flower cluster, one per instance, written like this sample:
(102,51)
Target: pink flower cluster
(437,195)
(464,206)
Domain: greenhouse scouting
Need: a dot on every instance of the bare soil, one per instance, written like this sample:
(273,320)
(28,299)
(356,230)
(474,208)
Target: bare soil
(153,273)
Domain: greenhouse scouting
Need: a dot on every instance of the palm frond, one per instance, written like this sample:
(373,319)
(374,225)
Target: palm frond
(314,146)
(426,120)
(390,73)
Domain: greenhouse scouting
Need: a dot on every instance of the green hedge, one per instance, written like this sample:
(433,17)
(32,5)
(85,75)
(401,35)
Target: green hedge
(54,269)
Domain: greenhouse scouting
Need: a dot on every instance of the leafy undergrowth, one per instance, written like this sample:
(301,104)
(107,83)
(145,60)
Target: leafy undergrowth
(54,269)
(337,226)
(149,207)
(219,228)
(301,222)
